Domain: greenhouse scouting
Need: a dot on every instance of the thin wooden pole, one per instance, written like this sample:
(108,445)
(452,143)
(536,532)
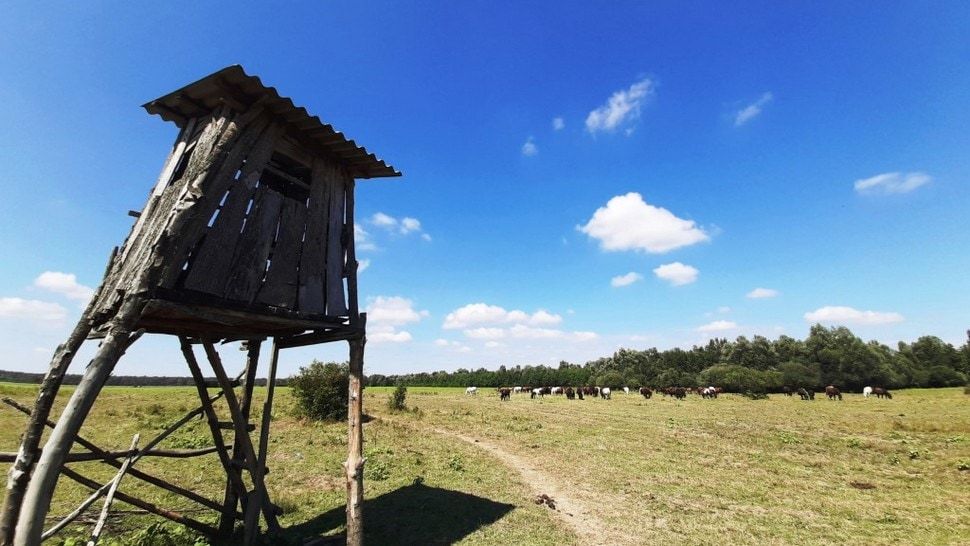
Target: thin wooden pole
(259,496)
(354,466)
(19,474)
(210,414)
(227,519)
(110,497)
(41,487)
(144,505)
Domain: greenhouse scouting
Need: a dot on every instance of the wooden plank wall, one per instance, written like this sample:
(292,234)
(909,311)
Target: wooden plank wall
(253,236)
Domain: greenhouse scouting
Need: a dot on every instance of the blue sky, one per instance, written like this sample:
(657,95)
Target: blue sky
(575,179)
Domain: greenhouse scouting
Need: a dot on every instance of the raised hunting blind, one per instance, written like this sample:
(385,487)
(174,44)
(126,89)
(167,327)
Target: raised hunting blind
(248,234)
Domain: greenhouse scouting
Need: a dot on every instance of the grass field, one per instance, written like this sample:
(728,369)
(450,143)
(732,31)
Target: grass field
(629,471)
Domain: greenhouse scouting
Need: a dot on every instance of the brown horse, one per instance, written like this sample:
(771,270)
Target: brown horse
(881,392)
(646,392)
(833,392)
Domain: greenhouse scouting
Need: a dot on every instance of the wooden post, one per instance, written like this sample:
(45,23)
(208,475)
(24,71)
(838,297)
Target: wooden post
(355,443)
(227,520)
(41,487)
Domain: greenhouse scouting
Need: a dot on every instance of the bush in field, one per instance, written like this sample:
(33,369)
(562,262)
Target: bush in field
(321,391)
(397,400)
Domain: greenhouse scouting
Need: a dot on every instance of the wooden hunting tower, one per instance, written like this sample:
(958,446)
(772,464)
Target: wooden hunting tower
(248,234)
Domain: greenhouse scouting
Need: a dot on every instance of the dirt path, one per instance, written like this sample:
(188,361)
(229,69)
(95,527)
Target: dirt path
(571,510)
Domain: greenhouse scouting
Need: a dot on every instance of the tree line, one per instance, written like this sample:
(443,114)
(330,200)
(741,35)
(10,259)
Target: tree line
(828,356)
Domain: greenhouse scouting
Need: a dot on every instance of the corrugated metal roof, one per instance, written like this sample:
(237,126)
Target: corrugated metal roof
(234,86)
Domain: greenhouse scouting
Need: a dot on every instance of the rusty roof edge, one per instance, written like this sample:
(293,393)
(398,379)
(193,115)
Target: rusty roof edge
(225,77)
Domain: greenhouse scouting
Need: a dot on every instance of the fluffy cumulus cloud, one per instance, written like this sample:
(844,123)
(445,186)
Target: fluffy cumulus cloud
(530,149)
(558,124)
(64,284)
(362,239)
(483,314)
(452,345)
(481,321)
(362,265)
(622,108)
(386,314)
(625,280)
(838,314)
(896,182)
(761,293)
(627,222)
(717,326)
(752,110)
(400,226)
(676,273)
(35,310)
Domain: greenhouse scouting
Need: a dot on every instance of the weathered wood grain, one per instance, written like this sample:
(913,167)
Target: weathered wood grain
(282,278)
(313,259)
(248,266)
(213,257)
(336,251)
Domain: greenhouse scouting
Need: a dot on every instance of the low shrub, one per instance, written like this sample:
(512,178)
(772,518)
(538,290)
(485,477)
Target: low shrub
(397,400)
(321,391)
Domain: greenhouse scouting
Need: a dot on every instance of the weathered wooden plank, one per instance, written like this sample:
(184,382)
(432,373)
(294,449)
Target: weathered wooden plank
(351,271)
(215,254)
(313,258)
(248,266)
(206,191)
(336,250)
(227,516)
(354,466)
(282,278)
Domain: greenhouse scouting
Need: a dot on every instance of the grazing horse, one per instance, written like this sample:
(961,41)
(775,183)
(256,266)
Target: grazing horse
(556,390)
(867,392)
(709,392)
(881,392)
(605,393)
(806,394)
(570,393)
(471,390)
(536,392)
(646,392)
(679,393)
(786,390)
(626,390)
(833,392)
(579,393)
(505,393)
(516,390)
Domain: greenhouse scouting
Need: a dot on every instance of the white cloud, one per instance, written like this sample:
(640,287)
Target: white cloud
(485,333)
(383,220)
(717,326)
(494,344)
(623,107)
(676,273)
(629,223)
(479,314)
(404,226)
(558,124)
(761,293)
(19,308)
(848,315)
(441,342)
(625,280)
(386,313)
(410,224)
(530,149)
(895,182)
(65,284)
(393,311)
(362,265)
(362,240)
(454,345)
(752,110)
(724,309)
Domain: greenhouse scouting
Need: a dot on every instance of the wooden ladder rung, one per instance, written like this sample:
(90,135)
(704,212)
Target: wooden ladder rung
(227,425)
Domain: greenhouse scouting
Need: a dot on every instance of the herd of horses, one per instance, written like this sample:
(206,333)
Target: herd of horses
(680,393)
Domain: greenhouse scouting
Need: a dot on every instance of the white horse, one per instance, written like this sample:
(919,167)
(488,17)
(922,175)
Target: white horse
(626,390)
(605,393)
(516,390)
(471,390)
(867,392)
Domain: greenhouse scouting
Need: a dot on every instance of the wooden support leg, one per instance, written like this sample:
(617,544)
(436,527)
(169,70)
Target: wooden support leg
(41,487)
(355,443)
(227,520)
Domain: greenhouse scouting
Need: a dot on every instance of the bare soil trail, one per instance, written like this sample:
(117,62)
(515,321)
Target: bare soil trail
(574,512)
